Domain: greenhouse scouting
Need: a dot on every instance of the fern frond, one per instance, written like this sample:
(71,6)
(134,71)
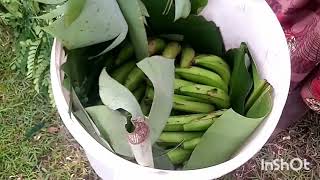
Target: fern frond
(32,55)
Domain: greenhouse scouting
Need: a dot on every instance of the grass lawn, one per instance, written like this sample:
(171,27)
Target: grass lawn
(53,154)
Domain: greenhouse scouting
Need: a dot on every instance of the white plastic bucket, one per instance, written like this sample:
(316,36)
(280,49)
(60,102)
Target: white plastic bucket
(251,21)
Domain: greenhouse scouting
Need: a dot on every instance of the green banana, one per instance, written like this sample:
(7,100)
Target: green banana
(183,119)
(135,77)
(215,64)
(175,123)
(202,76)
(189,98)
(178,83)
(125,53)
(178,137)
(145,106)
(172,50)
(214,114)
(190,106)
(122,72)
(215,95)
(187,56)
(257,90)
(139,92)
(155,46)
(178,156)
(191,144)
(173,128)
(198,125)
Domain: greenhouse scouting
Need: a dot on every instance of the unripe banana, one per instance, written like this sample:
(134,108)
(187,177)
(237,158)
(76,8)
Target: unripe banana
(191,144)
(122,72)
(135,77)
(178,83)
(172,50)
(155,46)
(198,125)
(215,95)
(178,156)
(139,92)
(150,94)
(187,56)
(183,119)
(178,137)
(216,64)
(125,53)
(192,107)
(202,76)
(190,98)
(214,114)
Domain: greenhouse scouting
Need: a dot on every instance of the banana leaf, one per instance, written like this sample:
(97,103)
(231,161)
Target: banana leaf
(161,72)
(134,16)
(202,35)
(241,80)
(88,24)
(198,5)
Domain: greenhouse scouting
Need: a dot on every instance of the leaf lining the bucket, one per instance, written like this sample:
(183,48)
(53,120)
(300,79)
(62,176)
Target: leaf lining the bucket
(135,19)
(241,79)
(198,5)
(182,9)
(204,36)
(91,27)
(160,71)
(111,124)
(116,96)
(228,133)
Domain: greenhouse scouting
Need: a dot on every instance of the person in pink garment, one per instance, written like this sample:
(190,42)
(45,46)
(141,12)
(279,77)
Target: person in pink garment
(300,20)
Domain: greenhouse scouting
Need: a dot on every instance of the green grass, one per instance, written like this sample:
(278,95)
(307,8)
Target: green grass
(47,154)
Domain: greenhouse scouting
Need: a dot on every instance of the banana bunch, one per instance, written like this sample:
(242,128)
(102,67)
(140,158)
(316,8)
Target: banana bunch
(201,93)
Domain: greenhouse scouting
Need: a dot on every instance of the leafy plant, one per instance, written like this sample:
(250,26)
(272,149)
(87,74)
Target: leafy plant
(32,44)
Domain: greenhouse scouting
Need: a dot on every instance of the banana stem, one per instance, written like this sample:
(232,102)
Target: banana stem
(187,57)
(191,144)
(155,46)
(178,137)
(172,50)
(179,155)
(125,53)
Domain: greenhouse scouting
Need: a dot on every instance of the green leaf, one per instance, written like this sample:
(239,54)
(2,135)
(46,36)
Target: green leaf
(73,11)
(204,36)
(161,159)
(116,96)
(259,85)
(86,121)
(241,80)
(53,13)
(92,26)
(134,17)
(34,130)
(222,140)
(182,9)
(198,5)
(51,1)
(112,127)
(262,105)
(161,73)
